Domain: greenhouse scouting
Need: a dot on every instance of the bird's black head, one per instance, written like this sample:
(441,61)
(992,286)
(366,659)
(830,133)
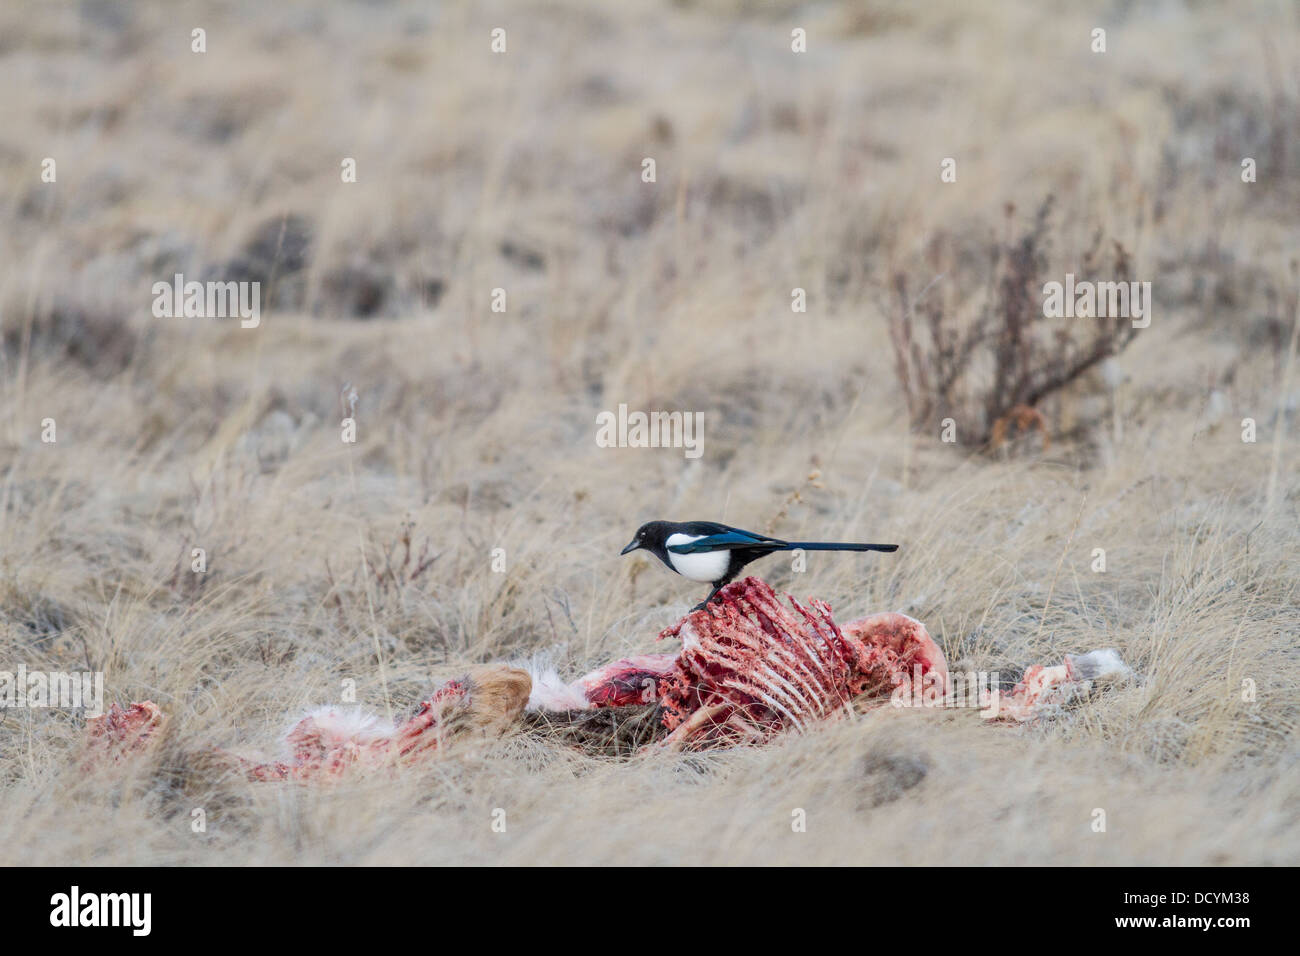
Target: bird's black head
(650,536)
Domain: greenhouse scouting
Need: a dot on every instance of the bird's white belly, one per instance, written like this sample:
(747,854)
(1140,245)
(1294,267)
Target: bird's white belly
(703,566)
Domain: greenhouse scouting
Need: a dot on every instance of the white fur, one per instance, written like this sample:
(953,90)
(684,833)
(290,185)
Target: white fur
(550,692)
(354,724)
(1098,665)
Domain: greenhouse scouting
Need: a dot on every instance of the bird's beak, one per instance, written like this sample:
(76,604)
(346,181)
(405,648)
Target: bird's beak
(631,547)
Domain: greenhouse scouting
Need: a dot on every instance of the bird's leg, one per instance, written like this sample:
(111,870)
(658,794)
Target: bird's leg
(703,604)
(714,593)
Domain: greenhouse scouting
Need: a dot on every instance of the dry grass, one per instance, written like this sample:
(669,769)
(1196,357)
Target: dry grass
(476,429)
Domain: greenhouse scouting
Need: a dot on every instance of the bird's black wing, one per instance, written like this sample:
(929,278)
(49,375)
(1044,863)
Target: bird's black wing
(721,537)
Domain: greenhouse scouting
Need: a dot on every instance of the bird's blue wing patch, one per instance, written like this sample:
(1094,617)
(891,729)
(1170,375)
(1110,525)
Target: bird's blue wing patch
(727,541)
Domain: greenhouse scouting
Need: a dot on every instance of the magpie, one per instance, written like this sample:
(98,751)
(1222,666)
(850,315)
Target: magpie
(714,553)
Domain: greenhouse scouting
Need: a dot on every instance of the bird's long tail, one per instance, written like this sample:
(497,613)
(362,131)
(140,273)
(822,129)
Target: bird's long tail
(837,546)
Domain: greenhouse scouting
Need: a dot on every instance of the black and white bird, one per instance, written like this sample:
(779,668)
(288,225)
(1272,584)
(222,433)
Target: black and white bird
(714,553)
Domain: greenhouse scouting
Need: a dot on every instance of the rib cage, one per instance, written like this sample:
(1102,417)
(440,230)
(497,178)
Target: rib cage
(751,667)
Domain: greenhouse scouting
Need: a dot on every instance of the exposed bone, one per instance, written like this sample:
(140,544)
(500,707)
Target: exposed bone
(123,731)
(757,667)
(749,667)
(326,743)
(1044,688)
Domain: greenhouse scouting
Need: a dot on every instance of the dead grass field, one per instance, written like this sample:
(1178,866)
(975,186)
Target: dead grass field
(476,429)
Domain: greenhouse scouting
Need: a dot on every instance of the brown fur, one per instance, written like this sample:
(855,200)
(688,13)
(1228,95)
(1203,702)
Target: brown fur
(497,697)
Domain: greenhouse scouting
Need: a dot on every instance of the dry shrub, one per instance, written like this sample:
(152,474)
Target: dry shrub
(993,369)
